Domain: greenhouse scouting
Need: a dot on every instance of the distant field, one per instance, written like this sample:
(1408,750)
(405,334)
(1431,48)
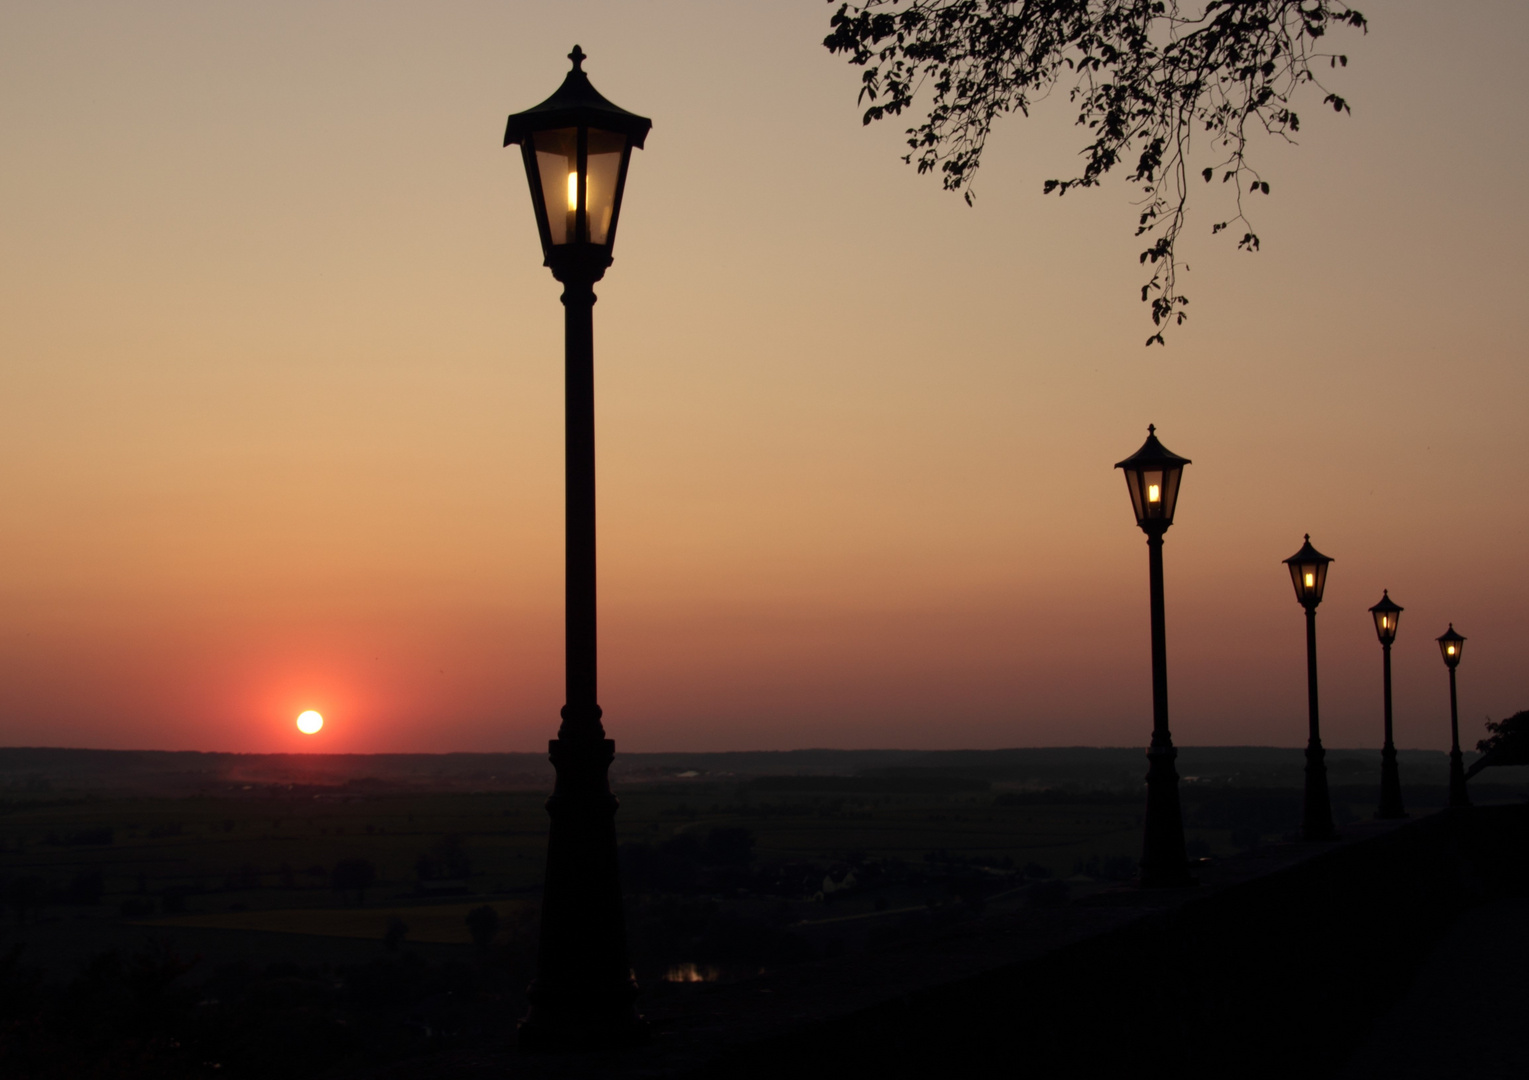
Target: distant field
(442,924)
(88,868)
(32,771)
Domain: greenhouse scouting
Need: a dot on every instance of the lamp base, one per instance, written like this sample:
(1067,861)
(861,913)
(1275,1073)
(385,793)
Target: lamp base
(584,994)
(1163,862)
(1458,796)
(1317,807)
(559,1023)
(1390,787)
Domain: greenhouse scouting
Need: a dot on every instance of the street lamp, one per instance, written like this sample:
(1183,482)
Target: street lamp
(1450,644)
(576,146)
(1308,573)
(1152,477)
(1386,614)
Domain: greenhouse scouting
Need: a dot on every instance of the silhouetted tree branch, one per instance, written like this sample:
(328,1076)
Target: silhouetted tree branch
(1507,745)
(1146,76)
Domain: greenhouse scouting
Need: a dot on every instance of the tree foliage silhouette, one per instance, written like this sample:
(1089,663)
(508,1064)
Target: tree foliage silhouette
(1146,76)
(1507,744)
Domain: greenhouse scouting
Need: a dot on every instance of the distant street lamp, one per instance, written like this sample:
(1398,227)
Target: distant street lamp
(1152,477)
(1450,644)
(576,146)
(1386,614)
(1308,572)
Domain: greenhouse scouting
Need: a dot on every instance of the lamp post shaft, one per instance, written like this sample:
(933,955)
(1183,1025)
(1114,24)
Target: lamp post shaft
(581,718)
(584,992)
(1163,863)
(1390,781)
(1457,792)
(1317,810)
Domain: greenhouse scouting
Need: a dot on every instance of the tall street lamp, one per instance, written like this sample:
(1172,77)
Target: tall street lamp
(1152,477)
(576,146)
(1308,572)
(1385,615)
(1450,644)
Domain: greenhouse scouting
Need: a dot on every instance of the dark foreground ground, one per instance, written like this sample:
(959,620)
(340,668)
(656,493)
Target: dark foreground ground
(208,915)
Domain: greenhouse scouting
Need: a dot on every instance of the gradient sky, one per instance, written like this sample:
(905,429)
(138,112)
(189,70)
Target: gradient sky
(280,395)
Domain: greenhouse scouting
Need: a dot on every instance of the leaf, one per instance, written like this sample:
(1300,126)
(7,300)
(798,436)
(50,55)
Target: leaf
(1150,85)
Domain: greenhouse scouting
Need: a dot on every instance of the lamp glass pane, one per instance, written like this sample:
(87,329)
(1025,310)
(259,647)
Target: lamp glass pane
(557,162)
(1133,485)
(605,149)
(1309,578)
(1153,490)
(1171,490)
(1298,579)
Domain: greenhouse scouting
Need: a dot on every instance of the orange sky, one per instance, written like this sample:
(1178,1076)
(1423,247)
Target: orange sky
(280,395)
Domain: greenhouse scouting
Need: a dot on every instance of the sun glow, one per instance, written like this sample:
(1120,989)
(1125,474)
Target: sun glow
(309,722)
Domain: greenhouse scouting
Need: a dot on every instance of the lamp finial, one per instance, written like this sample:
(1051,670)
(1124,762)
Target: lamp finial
(577,56)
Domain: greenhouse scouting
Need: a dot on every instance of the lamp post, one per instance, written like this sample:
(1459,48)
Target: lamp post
(1152,476)
(1450,644)
(576,146)
(1308,572)
(1385,615)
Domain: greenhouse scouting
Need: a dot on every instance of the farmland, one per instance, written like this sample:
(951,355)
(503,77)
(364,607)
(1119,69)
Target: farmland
(394,896)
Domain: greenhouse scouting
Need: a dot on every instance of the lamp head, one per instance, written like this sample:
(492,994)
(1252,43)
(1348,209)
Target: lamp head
(576,146)
(1450,645)
(1152,478)
(1385,614)
(1308,573)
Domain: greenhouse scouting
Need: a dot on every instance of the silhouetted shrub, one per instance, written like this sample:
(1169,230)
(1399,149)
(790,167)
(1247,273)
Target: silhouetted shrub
(728,847)
(96,836)
(1244,838)
(667,867)
(1247,815)
(24,895)
(483,924)
(393,936)
(1048,893)
(446,861)
(1109,868)
(173,899)
(85,888)
(136,907)
(246,877)
(353,875)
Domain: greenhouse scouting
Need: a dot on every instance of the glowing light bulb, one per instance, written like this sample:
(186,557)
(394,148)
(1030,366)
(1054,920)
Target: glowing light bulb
(1311,581)
(573,191)
(1450,650)
(1154,493)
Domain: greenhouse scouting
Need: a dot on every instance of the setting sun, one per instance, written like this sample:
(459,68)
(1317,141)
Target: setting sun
(309,722)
